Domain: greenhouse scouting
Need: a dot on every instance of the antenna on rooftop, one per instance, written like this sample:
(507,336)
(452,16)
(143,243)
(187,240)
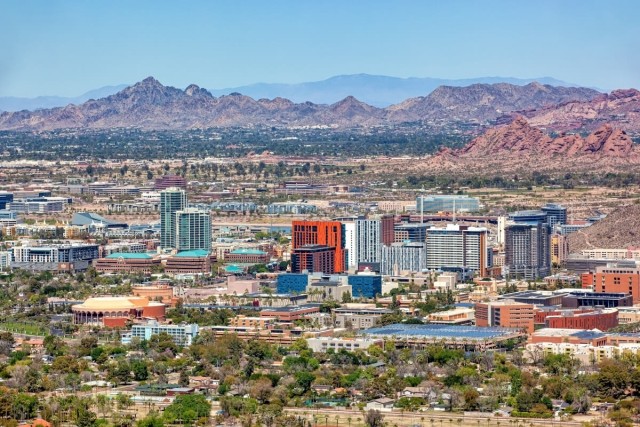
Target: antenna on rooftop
(454,210)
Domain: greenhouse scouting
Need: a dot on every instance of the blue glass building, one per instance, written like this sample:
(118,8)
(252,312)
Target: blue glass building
(291,283)
(365,285)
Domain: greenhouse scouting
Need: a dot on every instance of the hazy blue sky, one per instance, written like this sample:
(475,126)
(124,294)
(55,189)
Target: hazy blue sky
(50,47)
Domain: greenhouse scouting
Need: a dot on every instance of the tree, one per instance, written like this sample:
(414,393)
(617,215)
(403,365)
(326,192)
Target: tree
(140,370)
(151,420)
(261,390)
(373,418)
(84,417)
(188,408)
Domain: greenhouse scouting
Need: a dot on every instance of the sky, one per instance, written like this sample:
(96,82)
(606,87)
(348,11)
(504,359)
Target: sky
(66,48)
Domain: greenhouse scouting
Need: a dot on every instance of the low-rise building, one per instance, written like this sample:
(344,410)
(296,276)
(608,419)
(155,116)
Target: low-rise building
(358,316)
(455,316)
(505,313)
(323,344)
(127,263)
(182,334)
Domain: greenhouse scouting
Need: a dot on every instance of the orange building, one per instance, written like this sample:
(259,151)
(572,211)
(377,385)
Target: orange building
(599,319)
(161,293)
(614,278)
(505,313)
(116,311)
(326,233)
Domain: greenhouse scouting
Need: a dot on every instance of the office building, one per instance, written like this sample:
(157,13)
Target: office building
(365,285)
(505,313)
(182,335)
(397,257)
(172,200)
(556,215)
(5,199)
(194,262)
(193,230)
(527,250)
(38,205)
(288,208)
(54,257)
(358,316)
(314,259)
(433,204)
(614,277)
(292,283)
(458,247)
(404,232)
(323,233)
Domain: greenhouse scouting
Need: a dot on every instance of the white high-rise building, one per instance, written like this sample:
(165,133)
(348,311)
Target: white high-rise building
(368,240)
(350,243)
(458,247)
(397,257)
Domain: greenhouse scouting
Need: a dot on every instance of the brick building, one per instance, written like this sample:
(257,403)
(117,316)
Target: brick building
(505,313)
(313,258)
(614,278)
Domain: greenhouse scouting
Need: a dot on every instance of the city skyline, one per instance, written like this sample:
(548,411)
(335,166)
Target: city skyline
(65,49)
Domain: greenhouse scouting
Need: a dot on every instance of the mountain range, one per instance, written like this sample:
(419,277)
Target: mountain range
(518,145)
(379,91)
(151,105)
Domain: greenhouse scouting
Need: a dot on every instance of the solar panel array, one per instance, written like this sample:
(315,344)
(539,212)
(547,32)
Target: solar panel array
(440,331)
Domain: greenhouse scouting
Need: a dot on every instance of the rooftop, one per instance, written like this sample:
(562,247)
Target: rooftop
(246,251)
(473,333)
(127,255)
(197,253)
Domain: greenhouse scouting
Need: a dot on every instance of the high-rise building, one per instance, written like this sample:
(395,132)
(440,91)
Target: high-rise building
(387,232)
(527,250)
(314,259)
(172,200)
(324,233)
(349,227)
(559,248)
(556,215)
(193,230)
(368,240)
(410,232)
(458,247)
(409,256)
(169,181)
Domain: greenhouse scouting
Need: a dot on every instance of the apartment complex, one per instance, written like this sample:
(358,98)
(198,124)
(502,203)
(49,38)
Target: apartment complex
(408,256)
(193,230)
(458,247)
(172,200)
(320,233)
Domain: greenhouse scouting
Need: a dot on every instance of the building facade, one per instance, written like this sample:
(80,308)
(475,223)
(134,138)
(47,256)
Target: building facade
(410,256)
(193,230)
(527,251)
(328,233)
(458,247)
(506,313)
(172,200)
(433,204)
